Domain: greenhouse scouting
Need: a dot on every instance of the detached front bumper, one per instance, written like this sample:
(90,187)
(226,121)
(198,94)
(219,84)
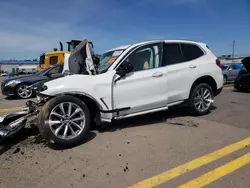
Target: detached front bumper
(13,122)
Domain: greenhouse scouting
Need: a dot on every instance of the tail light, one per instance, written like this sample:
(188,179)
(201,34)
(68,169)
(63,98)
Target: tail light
(218,63)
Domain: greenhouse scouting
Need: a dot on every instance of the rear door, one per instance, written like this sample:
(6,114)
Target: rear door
(233,72)
(182,62)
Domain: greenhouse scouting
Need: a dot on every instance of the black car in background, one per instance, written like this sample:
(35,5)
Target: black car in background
(242,82)
(18,86)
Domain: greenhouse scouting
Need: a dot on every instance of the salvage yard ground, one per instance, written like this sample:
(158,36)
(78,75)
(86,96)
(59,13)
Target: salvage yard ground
(166,149)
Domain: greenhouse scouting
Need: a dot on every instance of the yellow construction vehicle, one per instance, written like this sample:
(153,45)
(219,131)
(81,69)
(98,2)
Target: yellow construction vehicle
(56,57)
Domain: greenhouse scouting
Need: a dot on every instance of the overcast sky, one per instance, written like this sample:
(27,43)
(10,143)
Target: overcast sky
(31,27)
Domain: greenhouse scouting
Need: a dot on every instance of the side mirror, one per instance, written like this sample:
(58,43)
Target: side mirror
(124,69)
(230,69)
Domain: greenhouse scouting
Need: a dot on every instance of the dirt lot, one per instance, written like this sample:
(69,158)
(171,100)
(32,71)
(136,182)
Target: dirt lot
(139,150)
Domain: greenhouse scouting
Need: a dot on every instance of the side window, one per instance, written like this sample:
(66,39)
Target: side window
(191,51)
(238,66)
(53,60)
(234,67)
(171,54)
(145,57)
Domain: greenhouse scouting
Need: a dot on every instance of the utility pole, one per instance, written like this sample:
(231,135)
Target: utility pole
(233,50)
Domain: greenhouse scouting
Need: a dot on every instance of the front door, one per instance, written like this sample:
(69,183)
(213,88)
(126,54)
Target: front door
(145,87)
(233,72)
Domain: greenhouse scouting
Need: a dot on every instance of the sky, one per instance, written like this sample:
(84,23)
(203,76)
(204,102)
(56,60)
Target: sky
(29,28)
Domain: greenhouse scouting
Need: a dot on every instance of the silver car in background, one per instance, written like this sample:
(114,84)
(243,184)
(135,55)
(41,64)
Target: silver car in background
(231,71)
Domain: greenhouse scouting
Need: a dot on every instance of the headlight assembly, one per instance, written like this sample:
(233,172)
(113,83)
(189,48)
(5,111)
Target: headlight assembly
(12,83)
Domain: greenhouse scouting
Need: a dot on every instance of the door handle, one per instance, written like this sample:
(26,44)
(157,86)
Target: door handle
(192,66)
(157,74)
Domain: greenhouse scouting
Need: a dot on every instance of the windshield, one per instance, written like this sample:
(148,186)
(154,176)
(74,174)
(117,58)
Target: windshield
(224,67)
(43,71)
(107,59)
(71,47)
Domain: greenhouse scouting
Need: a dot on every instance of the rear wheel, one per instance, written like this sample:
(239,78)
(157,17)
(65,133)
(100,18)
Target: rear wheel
(201,99)
(23,92)
(64,120)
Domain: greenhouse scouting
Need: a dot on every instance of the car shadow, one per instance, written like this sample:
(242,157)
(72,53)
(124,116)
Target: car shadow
(243,91)
(32,132)
(10,98)
(170,116)
(17,138)
(90,136)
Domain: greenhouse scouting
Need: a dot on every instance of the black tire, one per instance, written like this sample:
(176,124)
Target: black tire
(224,79)
(45,129)
(191,103)
(22,96)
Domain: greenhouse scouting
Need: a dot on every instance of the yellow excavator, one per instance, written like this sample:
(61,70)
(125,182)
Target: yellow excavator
(56,57)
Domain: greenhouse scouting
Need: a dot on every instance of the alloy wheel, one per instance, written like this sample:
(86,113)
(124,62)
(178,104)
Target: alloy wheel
(24,92)
(203,99)
(67,120)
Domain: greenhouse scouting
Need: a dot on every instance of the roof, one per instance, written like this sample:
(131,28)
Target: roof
(10,62)
(74,40)
(158,40)
(124,47)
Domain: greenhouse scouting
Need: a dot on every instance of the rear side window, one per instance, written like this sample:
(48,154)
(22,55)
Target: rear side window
(234,67)
(191,52)
(172,54)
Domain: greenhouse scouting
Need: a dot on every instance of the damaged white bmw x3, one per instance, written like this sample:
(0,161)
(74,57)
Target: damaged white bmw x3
(128,81)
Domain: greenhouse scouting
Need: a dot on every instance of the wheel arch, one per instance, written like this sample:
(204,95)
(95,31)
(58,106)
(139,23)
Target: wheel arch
(93,105)
(205,79)
(21,83)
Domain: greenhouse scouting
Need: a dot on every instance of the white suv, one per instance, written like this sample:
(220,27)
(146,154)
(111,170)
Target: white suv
(131,80)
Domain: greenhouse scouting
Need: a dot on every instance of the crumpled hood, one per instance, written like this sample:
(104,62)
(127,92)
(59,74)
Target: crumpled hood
(70,83)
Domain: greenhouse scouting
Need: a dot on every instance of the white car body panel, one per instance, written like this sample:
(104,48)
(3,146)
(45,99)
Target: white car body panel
(66,63)
(140,92)
(133,91)
(98,87)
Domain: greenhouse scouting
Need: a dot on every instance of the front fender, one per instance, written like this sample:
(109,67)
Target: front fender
(99,103)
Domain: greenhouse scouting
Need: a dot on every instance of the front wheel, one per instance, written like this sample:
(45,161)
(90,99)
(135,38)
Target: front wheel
(201,99)
(23,91)
(64,121)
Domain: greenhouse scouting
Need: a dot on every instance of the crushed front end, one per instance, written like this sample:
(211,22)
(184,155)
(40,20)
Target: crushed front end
(15,121)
